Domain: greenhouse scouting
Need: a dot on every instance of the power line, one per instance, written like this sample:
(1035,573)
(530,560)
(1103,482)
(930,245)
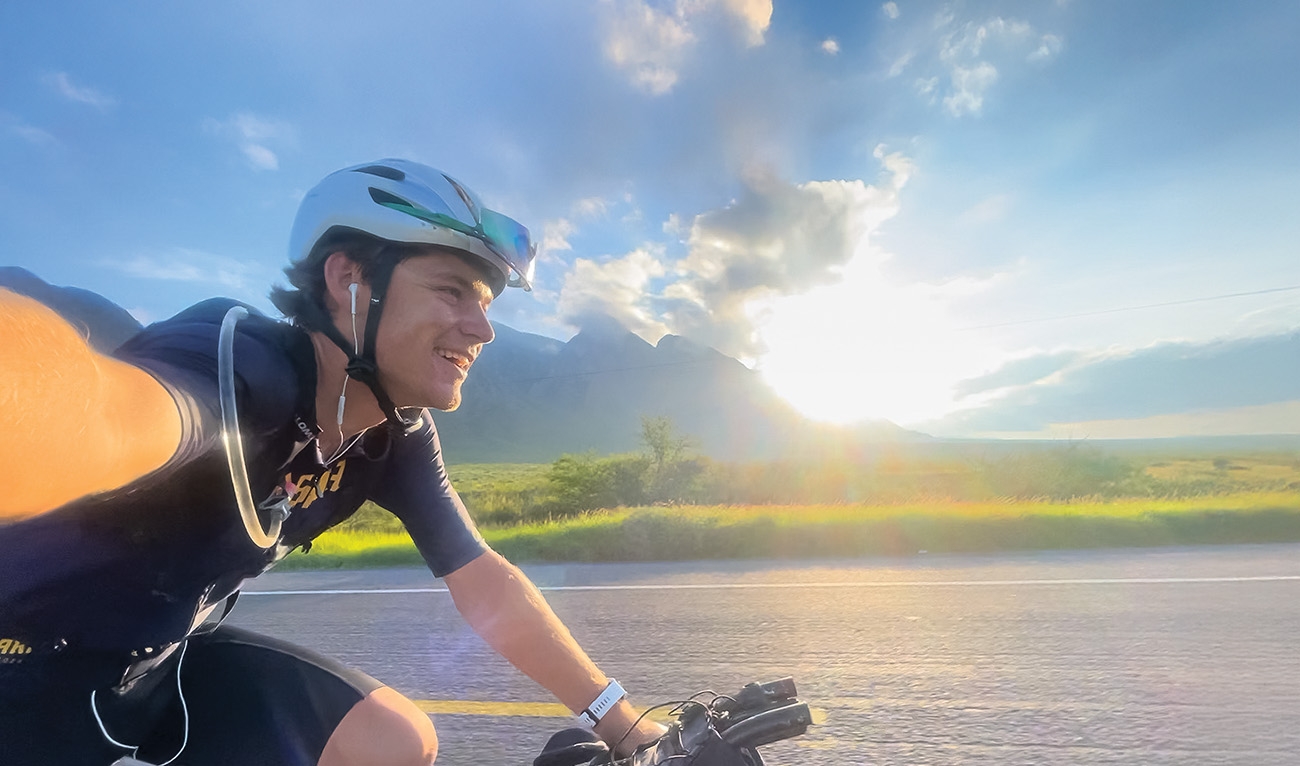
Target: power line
(1131,308)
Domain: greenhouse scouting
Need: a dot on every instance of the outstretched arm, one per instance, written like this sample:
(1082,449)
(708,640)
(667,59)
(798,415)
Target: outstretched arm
(506,609)
(72,421)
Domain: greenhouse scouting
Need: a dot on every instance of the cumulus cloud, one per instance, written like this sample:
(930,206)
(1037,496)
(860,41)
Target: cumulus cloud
(890,9)
(776,239)
(830,46)
(651,45)
(253,135)
(62,84)
(616,289)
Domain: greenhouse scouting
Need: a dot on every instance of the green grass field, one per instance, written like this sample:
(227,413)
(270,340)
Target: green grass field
(848,529)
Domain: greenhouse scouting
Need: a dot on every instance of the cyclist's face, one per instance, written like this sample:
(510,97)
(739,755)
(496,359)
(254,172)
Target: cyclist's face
(434,325)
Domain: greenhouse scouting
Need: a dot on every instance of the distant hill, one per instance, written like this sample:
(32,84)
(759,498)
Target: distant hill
(532,398)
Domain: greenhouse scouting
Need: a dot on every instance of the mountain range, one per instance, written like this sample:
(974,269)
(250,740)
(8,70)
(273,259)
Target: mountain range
(531,398)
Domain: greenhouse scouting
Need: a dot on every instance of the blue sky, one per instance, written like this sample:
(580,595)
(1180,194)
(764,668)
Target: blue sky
(945,214)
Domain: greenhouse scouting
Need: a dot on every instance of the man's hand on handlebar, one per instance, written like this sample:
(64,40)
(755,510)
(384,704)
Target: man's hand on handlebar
(709,730)
(623,736)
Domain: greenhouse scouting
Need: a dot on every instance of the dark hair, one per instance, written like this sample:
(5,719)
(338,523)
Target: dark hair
(307,277)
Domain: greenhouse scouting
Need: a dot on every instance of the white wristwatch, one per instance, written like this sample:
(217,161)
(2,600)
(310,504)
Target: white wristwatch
(607,699)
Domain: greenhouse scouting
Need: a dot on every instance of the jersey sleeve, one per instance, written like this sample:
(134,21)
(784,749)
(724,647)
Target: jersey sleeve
(415,488)
(181,354)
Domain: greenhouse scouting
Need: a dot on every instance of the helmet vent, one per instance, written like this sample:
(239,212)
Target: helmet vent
(383,171)
(382,197)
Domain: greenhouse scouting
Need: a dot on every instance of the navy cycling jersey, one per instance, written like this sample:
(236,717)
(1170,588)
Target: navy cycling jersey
(131,568)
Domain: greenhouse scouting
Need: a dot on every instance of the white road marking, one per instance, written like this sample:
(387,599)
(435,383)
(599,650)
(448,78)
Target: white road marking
(762,585)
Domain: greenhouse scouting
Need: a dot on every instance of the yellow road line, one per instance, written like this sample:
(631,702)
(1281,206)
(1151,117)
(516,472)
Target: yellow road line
(513,709)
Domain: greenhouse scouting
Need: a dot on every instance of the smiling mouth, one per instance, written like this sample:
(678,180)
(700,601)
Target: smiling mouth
(461,361)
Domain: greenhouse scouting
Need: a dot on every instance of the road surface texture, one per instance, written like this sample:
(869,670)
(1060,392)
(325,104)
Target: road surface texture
(1182,656)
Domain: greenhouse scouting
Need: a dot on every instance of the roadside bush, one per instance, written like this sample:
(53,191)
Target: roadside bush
(585,482)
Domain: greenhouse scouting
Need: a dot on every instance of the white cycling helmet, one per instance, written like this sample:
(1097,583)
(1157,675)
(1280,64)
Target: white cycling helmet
(404,201)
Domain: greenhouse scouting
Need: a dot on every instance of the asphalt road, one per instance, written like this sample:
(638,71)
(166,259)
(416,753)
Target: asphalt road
(1154,657)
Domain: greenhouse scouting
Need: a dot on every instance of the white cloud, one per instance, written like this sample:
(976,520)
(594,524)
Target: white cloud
(1047,48)
(188,265)
(755,16)
(890,9)
(648,45)
(616,288)
(252,134)
(651,45)
(900,63)
(555,235)
(969,87)
(972,53)
(590,207)
(260,157)
(778,239)
(63,85)
(969,41)
(829,46)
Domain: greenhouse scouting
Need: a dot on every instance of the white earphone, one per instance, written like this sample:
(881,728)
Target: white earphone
(356,345)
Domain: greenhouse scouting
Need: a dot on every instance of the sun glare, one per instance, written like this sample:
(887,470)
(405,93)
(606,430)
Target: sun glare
(864,349)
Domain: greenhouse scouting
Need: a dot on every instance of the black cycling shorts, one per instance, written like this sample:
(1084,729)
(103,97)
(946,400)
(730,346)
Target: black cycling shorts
(250,699)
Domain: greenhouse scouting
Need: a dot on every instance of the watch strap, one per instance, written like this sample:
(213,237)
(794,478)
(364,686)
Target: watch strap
(608,698)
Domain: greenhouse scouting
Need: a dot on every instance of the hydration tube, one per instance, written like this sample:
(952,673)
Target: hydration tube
(234,445)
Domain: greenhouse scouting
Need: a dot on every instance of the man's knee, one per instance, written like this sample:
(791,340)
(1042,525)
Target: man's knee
(384,729)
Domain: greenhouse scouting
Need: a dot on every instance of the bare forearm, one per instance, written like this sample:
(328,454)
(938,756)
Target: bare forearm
(508,611)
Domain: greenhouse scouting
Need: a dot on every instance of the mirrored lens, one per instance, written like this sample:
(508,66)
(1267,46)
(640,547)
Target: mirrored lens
(505,236)
(509,237)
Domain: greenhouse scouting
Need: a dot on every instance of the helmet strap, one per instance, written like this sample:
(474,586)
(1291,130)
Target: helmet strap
(363,367)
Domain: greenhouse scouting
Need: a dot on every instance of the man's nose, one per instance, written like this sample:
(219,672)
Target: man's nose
(478,326)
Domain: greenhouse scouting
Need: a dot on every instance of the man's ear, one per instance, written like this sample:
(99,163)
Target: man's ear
(341,273)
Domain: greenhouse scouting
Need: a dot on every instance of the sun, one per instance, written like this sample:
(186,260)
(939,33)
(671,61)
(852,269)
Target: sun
(864,349)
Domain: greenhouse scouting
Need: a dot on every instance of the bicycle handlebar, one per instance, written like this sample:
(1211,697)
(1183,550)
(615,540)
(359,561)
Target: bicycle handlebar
(724,731)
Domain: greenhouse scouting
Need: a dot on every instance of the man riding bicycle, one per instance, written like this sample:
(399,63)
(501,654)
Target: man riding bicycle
(124,538)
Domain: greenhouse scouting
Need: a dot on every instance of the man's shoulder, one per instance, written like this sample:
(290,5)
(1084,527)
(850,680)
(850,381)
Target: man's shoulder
(273,360)
(197,330)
